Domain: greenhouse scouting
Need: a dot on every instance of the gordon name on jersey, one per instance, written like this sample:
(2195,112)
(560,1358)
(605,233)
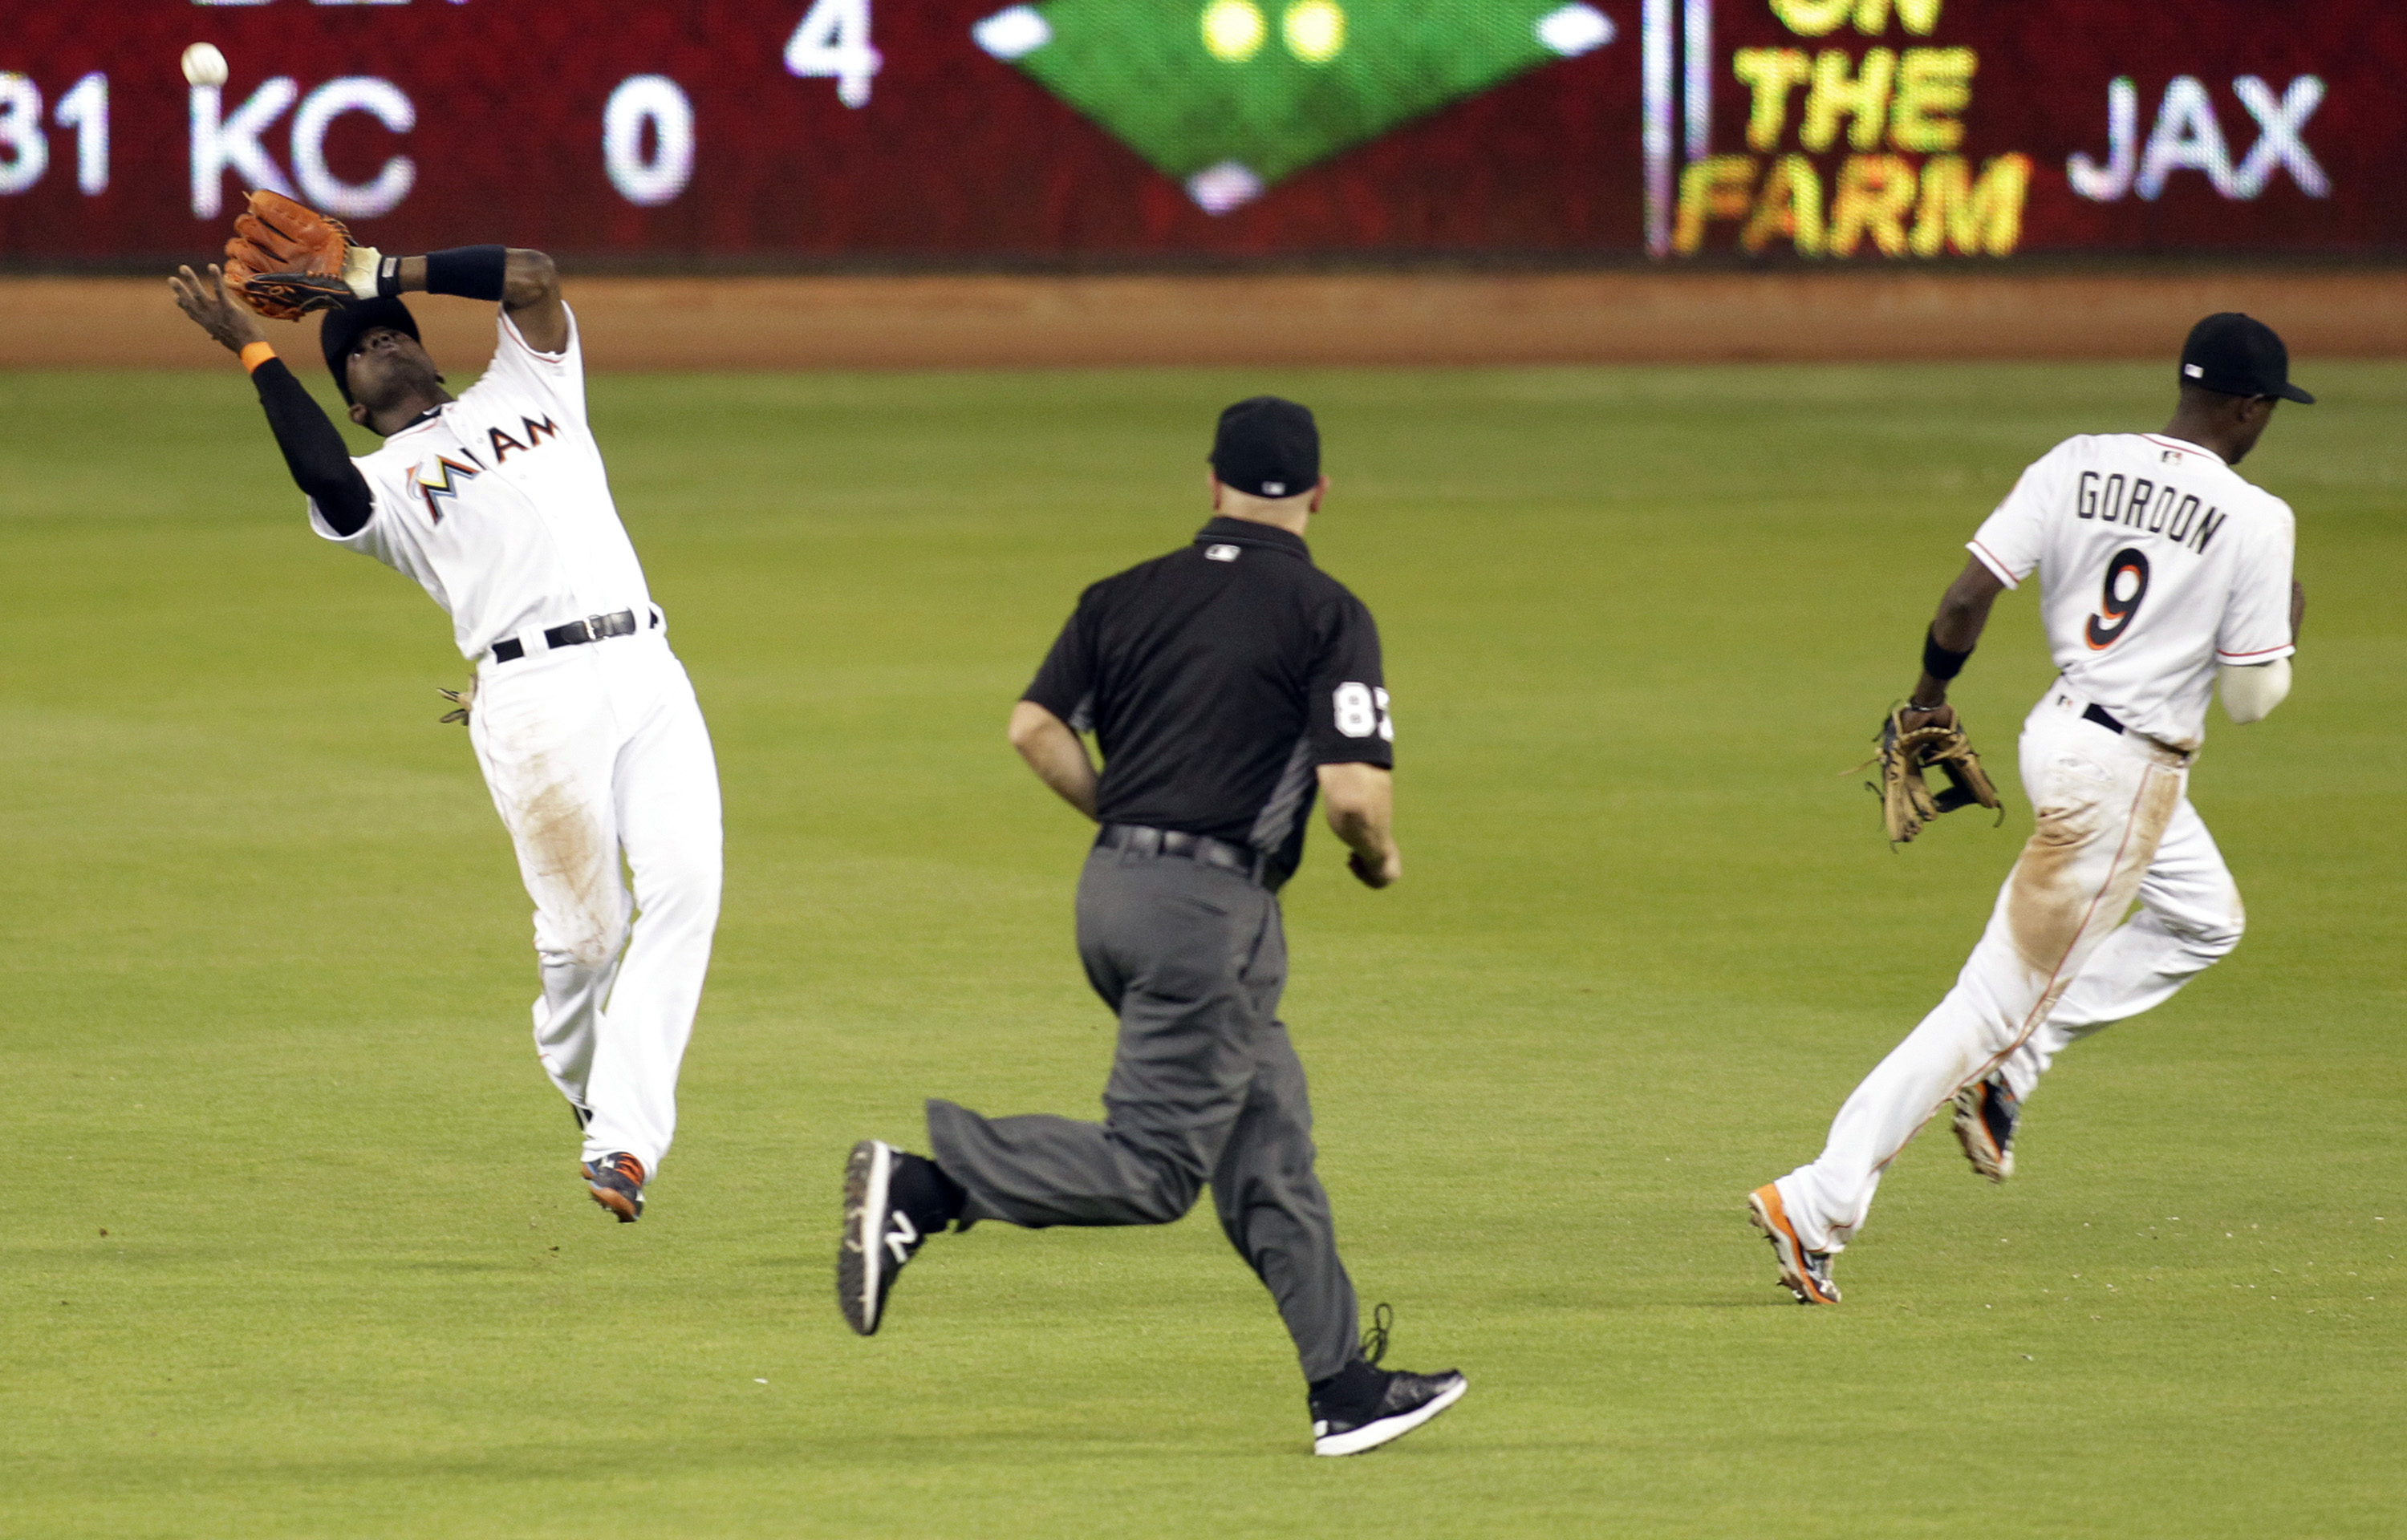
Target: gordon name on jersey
(498,503)
(2157,562)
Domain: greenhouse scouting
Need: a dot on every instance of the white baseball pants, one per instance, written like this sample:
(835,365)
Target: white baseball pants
(595,752)
(2115,823)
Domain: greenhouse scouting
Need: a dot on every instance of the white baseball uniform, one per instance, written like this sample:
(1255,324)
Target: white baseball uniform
(2157,564)
(498,505)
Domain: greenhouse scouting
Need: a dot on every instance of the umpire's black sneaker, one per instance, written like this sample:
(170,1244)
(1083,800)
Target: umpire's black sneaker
(1364,1406)
(1388,1406)
(617,1183)
(893,1201)
(1986,1114)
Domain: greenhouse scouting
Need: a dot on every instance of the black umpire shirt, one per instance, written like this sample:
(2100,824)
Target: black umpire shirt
(1217,680)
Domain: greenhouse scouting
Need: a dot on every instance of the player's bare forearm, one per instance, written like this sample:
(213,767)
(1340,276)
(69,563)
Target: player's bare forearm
(1055,754)
(214,310)
(530,292)
(1361,801)
(1963,614)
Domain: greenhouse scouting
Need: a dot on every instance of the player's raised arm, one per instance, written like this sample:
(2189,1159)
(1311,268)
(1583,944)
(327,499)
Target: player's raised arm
(313,447)
(525,282)
(287,260)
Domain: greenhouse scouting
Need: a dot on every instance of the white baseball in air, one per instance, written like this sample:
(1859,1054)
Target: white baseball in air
(203,65)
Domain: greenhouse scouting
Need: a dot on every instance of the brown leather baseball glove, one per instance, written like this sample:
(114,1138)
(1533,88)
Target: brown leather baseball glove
(287,259)
(1907,801)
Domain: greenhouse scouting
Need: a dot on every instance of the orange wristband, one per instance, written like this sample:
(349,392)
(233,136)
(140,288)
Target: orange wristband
(254,354)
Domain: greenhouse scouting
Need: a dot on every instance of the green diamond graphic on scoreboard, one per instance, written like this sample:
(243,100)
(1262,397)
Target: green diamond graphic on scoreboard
(1231,96)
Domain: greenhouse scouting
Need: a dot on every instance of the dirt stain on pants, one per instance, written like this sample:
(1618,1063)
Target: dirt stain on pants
(2080,873)
(570,867)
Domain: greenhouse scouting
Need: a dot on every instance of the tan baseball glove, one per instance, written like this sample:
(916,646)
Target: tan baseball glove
(287,259)
(1907,801)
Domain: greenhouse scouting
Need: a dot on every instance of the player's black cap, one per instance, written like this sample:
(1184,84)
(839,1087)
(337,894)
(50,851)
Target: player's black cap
(1267,446)
(2240,356)
(344,325)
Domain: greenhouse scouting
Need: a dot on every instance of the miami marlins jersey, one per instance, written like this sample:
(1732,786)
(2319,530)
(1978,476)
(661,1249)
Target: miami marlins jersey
(2157,563)
(498,505)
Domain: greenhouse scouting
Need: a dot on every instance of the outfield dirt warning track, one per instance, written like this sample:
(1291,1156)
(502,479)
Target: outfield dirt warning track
(995,321)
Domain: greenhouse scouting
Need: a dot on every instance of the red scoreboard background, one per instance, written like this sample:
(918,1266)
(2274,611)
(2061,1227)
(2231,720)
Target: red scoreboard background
(778,132)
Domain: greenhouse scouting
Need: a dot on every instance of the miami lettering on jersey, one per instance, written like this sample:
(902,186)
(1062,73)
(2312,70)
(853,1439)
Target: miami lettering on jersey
(535,429)
(541,542)
(442,479)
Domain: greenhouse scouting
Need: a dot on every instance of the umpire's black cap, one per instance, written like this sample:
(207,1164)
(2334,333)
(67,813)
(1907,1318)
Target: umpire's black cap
(2240,356)
(344,325)
(1267,446)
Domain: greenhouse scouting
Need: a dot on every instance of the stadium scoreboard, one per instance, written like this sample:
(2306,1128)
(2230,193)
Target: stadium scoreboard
(1865,132)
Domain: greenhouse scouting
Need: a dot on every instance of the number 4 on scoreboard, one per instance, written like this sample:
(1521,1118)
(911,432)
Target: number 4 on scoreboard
(833,44)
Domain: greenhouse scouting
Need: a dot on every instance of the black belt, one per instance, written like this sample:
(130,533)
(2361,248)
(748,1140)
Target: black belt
(1243,860)
(2104,718)
(593,628)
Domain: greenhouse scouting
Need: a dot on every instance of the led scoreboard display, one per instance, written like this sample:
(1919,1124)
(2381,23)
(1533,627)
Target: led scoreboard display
(976,130)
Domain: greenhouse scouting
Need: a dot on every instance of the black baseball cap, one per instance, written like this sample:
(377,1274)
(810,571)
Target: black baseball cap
(2240,356)
(344,325)
(1267,446)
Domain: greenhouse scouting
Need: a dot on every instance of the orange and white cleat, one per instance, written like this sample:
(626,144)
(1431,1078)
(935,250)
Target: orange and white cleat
(1803,1272)
(617,1183)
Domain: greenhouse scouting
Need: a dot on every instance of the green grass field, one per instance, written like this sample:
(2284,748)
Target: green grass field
(290,1239)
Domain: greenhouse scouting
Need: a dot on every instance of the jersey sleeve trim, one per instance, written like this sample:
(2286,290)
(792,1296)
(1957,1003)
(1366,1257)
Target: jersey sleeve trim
(2262,655)
(511,331)
(1991,561)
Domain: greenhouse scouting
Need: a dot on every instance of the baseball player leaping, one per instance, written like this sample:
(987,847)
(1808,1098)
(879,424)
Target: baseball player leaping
(582,719)
(2159,567)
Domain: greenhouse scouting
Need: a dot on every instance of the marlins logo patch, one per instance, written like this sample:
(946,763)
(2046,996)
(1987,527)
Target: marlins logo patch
(441,479)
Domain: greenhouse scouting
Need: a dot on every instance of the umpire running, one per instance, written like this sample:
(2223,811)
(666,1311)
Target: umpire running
(1224,683)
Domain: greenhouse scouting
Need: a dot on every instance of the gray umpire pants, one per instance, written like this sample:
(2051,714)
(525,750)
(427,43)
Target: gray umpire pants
(1204,1087)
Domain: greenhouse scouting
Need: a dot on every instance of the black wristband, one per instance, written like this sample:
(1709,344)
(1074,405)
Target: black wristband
(389,278)
(470,272)
(1941,662)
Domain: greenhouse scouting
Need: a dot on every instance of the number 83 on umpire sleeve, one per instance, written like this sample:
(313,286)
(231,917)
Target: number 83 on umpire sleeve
(1362,710)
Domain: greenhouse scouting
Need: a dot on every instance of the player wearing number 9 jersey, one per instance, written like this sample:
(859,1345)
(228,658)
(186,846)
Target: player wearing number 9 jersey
(2159,568)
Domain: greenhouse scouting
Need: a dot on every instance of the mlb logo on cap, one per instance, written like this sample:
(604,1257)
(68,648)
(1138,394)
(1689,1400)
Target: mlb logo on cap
(1267,447)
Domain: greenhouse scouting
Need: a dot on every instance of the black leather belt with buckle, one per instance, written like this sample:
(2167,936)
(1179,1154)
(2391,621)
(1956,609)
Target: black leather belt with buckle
(1243,860)
(593,628)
